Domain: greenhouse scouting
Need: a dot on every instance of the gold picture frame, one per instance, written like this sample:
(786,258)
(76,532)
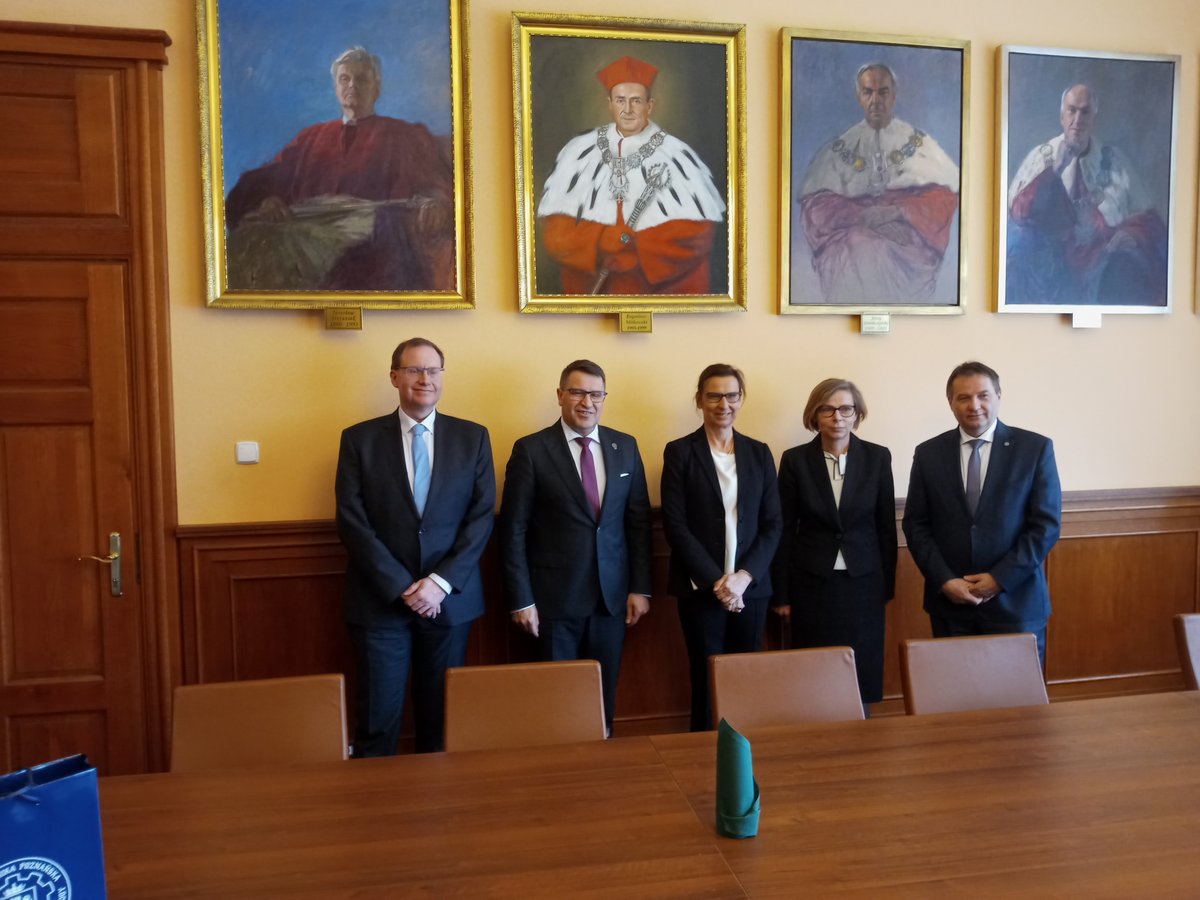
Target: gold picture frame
(1086,182)
(375,216)
(872,208)
(663,232)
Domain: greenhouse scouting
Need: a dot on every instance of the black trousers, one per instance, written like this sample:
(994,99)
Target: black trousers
(385,657)
(600,636)
(709,629)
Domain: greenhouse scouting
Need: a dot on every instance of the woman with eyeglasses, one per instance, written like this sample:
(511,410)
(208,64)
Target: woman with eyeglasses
(836,567)
(721,518)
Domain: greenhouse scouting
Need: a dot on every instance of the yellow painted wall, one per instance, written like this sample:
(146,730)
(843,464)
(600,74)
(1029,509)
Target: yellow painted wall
(1120,402)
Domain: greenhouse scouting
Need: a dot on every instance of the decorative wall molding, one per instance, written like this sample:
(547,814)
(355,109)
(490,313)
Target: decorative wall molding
(263,599)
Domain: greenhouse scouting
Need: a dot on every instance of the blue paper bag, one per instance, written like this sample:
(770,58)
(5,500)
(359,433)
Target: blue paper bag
(50,845)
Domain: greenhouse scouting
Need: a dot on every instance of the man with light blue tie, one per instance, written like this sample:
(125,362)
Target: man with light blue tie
(575,531)
(984,509)
(416,498)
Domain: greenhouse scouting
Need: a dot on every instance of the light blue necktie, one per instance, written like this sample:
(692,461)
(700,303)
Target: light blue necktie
(420,454)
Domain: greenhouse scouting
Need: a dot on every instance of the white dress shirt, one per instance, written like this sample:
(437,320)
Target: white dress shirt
(985,452)
(836,467)
(597,456)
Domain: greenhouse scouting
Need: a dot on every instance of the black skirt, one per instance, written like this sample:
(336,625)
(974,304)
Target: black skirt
(840,610)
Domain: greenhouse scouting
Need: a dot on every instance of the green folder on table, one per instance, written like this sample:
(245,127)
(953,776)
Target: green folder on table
(737,791)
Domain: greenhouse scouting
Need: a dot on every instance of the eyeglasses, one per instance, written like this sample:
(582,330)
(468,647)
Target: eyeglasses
(418,371)
(579,393)
(714,398)
(844,411)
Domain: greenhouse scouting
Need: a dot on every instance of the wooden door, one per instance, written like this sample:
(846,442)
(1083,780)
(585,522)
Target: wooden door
(71,680)
(85,433)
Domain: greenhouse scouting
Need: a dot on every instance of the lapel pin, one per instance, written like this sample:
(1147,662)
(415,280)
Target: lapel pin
(614,445)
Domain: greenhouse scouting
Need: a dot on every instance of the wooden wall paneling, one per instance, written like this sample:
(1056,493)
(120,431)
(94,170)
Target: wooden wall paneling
(1113,602)
(1128,561)
(654,693)
(263,604)
(906,619)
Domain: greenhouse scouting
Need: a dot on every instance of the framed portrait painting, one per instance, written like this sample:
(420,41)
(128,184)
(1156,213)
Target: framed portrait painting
(872,173)
(630,173)
(1086,181)
(334,150)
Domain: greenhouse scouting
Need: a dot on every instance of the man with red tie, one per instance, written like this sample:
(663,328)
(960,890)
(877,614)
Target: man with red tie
(575,532)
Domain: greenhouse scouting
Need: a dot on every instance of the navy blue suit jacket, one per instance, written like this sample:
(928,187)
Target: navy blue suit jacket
(1015,525)
(556,555)
(388,544)
(862,525)
(694,514)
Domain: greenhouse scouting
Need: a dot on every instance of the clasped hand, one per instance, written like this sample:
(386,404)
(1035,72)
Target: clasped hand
(424,597)
(729,589)
(972,590)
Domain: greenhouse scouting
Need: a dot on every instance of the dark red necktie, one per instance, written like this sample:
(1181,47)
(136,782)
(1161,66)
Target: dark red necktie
(587,472)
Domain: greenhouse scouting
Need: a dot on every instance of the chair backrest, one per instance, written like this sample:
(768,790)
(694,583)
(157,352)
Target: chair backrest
(784,687)
(523,705)
(961,673)
(1187,639)
(258,724)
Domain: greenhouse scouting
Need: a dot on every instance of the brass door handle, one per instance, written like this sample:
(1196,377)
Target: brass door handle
(113,561)
(111,558)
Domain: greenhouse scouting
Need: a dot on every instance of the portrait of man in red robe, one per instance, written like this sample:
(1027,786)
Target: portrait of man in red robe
(629,208)
(363,202)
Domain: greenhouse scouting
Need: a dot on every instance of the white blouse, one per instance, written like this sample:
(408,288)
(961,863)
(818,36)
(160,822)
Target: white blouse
(726,464)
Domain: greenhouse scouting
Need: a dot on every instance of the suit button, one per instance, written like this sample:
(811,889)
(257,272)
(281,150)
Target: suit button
(839,535)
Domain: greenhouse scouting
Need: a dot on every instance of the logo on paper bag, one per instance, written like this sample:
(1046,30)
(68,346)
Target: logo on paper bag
(34,878)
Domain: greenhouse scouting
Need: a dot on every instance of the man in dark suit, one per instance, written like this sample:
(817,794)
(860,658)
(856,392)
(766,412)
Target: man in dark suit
(983,511)
(416,497)
(575,531)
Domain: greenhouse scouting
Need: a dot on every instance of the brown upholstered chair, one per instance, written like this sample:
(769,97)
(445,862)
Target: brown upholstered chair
(961,673)
(1187,639)
(783,687)
(258,724)
(523,705)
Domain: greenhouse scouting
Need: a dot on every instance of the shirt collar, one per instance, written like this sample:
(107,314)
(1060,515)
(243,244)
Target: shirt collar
(407,422)
(989,435)
(571,434)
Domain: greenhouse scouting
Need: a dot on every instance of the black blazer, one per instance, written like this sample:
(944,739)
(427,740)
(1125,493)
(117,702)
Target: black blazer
(1016,523)
(863,526)
(556,555)
(388,544)
(694,516)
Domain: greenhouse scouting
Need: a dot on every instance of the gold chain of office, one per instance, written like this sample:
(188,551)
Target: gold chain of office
(619,183)
(897,156)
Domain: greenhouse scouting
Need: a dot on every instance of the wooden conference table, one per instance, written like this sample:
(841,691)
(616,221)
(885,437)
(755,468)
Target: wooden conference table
(1092,798)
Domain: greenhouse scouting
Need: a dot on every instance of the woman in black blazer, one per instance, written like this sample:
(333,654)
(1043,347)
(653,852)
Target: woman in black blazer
(721,518)
(836,567)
